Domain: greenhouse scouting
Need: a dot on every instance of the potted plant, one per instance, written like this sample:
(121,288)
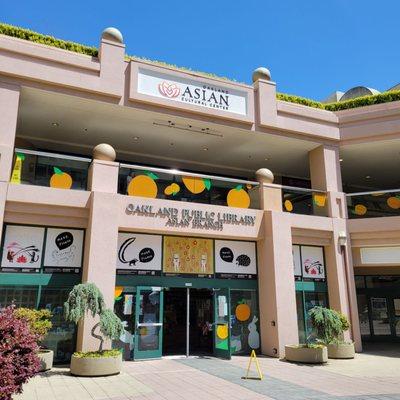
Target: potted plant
(84,299)
(310,353)
(39,324)
(330,326)
(18,353)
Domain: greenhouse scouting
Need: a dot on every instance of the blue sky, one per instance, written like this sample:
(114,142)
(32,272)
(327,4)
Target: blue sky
(312,47)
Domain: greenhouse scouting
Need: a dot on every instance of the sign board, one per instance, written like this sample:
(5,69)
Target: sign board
(312,262)
(188,256)
(64,250)
(22,248)
(380,255)
(139,254)
(177,89)
(235,259)
(296,261)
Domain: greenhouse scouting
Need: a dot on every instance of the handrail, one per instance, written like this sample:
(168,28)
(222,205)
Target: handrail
(373,192)
(53,155)
(183,173)
(294,188)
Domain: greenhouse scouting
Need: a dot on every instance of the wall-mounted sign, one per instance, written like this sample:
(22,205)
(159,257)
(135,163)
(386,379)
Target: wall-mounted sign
(139,254)
(312,262)
(64,250)
(296,261)
(380,255)
(191,218)
(22,248)
(193,92)
(234,259)
(186,255)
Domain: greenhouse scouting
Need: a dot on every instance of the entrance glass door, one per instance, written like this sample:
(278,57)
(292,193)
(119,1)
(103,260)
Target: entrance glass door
(396,316)
(148,322)
(222,320)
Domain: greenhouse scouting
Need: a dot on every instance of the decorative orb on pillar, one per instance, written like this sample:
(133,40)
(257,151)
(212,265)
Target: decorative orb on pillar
(264,175)
(261,73)
(112,34)
(104,152)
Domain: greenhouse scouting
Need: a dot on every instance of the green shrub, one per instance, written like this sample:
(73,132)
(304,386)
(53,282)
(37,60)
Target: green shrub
(299,100)
(38,320)
(98,354)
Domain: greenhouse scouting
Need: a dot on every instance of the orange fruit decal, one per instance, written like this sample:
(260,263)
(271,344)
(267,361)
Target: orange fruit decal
(393,202)
(319,199)
(238,197)
(222,331)
(143,186)
(60,179)
(360,209)
(196,185)
(118,291)
(288,205)
(173,189)
(242,312)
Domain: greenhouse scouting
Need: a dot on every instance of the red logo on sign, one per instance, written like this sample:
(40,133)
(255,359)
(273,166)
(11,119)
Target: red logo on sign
(170,90)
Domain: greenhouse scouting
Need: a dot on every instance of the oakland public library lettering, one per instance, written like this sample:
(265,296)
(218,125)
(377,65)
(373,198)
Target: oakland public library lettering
(191,218)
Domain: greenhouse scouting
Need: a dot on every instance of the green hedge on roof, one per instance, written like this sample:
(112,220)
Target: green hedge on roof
(27,34)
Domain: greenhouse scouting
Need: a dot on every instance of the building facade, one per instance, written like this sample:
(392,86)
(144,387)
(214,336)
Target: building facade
(155,184)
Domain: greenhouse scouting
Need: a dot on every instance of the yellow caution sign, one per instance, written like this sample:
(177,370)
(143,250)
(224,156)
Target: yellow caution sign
(254,357)
(16,173)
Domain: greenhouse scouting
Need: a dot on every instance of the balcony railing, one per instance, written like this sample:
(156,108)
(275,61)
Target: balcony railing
(304,201)
(383,203)
(49,169)
(136,180)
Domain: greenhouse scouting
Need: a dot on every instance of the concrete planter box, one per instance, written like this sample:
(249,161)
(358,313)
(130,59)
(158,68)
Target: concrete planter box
(46,359)
(341,350)
(90,366)
(306,354)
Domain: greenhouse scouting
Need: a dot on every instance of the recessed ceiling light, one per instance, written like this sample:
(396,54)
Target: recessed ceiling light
(341,159)
(171,144)
(85,129)
(136,138)
(368,177)
(266,159)
(205,148)
(55,124)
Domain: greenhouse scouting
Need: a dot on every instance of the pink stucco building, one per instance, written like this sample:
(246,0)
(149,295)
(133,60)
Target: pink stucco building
(212,215)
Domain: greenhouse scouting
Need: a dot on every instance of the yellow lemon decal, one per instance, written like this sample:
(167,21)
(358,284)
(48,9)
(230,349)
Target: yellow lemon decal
(173,189)
(288,205)
(393,202)
(143,186)
(242,312)
(60,179)
(222,331)
(360,209)
(196,185)
(319,199)
(238,197)
(143,331)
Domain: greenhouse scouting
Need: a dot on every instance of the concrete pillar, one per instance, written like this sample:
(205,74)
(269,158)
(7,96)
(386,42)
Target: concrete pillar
(270,195)
(277,293)
(101,240)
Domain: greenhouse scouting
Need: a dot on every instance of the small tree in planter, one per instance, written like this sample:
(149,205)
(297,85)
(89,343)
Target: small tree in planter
(39,324)
(330,326)
(84,299)
(18,353)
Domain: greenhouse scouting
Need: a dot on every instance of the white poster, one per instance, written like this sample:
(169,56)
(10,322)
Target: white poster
(139,254)
(296,260)
(193,92)
(22,248)
(64,248)
(313,262)
(234,259)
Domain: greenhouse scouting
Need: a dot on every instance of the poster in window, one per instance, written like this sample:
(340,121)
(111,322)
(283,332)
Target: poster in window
(296,262)
(188,256)
(22,248)
(64,250)
(312,263)
(235,259)
(139,254)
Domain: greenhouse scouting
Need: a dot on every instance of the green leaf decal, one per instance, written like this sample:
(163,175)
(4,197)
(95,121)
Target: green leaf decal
(207,183)
(174,193)
(118,298)
(152,175)
(57,171)
(239,187)
(21,156)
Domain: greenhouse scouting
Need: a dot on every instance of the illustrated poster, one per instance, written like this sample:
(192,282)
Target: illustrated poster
(296,261)
(313,266)
(64,250)
(234,259)
(186,255)
(22,248)
(139,254)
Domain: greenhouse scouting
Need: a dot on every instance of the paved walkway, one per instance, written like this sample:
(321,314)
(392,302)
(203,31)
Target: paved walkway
(369,377)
